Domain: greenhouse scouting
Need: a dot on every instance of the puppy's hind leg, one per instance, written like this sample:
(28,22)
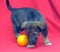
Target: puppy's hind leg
(16,26)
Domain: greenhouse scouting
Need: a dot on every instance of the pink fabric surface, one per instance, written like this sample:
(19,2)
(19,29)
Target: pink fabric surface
(50,10)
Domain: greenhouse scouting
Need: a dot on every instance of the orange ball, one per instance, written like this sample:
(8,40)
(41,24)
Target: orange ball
(22,40)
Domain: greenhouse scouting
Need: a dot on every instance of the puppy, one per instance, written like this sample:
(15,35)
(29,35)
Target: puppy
(31,21)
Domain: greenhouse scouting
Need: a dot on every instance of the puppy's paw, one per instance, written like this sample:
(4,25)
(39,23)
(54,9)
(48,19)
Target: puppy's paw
(48,43)
(30,46)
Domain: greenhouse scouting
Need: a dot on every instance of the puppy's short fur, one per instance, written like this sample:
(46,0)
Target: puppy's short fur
(30,20)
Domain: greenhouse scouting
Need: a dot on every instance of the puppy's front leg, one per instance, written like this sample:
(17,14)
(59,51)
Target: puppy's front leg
(45,36)
(32,37)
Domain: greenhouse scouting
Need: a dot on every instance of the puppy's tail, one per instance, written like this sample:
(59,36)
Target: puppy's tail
(9,6)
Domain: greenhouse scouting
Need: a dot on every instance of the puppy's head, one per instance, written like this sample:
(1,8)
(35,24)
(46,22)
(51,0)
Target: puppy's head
(32,27)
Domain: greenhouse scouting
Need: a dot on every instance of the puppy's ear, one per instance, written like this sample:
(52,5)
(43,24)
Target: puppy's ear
(39,24)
